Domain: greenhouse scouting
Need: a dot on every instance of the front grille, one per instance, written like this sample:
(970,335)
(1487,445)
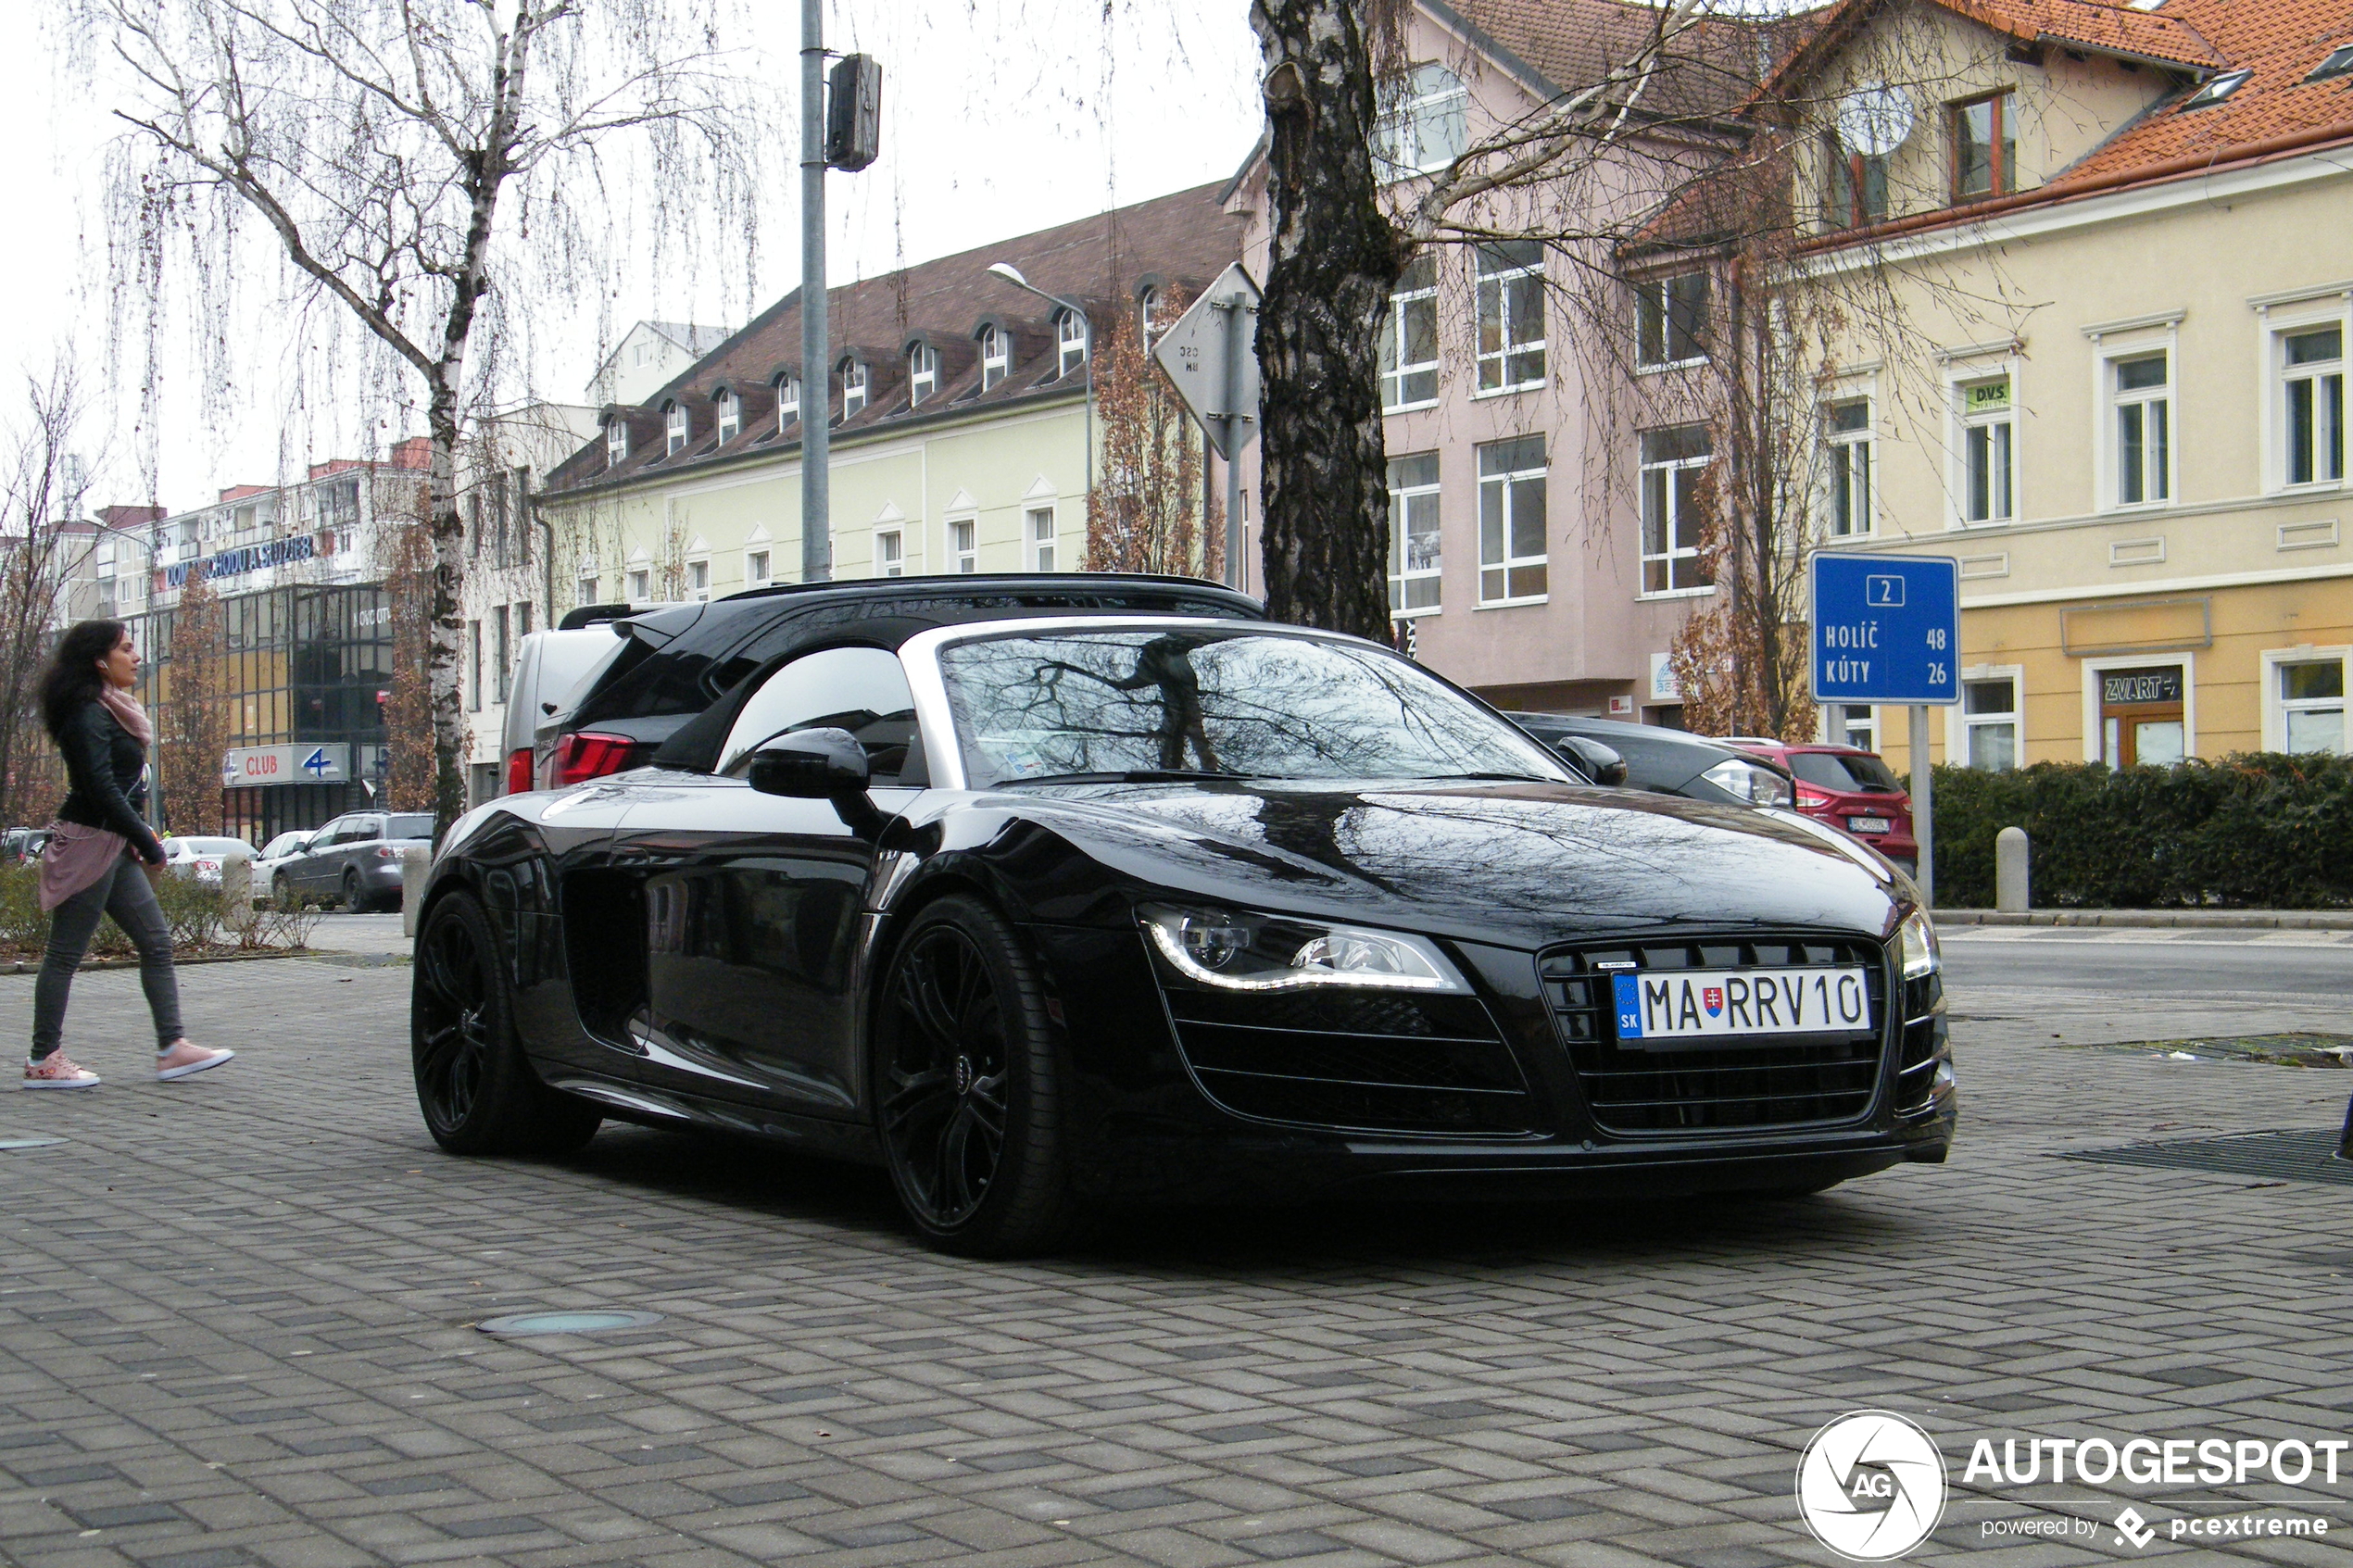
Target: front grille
(1370,1062)
(1775,1081)
(1916,1067)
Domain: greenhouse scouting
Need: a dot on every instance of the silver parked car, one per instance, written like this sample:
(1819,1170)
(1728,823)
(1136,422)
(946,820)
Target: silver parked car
(201,858)
(355,858)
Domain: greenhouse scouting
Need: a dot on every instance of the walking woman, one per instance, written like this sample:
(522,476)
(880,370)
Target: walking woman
(102,856)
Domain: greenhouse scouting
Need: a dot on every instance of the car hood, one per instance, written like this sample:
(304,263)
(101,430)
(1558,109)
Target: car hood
(1518,864)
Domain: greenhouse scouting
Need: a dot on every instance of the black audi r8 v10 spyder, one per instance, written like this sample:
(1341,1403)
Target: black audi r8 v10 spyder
(1055,914)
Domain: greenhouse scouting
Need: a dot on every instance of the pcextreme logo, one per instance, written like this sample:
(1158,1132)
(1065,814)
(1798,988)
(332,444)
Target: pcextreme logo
(1870,1486)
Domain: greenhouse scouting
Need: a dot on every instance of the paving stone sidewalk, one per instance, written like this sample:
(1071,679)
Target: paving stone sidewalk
(235,1328)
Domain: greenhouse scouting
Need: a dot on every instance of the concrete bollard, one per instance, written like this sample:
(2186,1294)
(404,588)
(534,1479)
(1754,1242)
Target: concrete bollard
(2010,892)
(415,862)
(236,891)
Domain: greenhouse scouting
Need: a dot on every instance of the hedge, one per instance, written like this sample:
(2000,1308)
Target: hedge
(2262,830)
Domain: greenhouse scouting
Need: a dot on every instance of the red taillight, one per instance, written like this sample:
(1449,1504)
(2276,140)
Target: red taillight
(585,754)
(1811,799)
(519,771)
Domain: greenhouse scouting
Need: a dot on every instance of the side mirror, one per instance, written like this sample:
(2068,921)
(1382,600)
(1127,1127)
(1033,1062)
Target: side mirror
(1591,757)
(811,765)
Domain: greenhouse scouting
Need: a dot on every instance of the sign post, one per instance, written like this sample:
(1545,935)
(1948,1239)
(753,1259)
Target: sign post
(1210,356)
(1887,630)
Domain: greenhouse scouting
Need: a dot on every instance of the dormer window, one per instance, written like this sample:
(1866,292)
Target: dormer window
(1984,148)
(675,422)
(731,414)
(853,388)
(1070,334)
(616,442)
(787,401)
(1147,305)
(996,355)
(923,372)
(2216,91)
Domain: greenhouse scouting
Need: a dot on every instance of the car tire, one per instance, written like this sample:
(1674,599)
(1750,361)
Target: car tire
(967,1087)
(281,892)
(478,1094)
(353,901)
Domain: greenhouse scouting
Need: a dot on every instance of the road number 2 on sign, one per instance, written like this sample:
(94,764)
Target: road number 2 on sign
(1697,1005)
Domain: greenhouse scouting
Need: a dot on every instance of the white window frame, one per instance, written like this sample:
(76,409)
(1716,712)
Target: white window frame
(1508,348)
(1043,546)
(673,419)
(996,355)
(1842,733)
(2095,668)
(1672,552)
(698,579)
(923,372)
(1415,297)
(1958,379)
(1147,302)
(2276,705)
(1652,294)
(1424,124)
(964,547)
(731,415)
(787,401)
(640,581)
(1958,722)
(2110,402)
(1836,442)
(616,442)
(2279,373)
(760,563)
(1401,575)
(855,380)
(1070,342)
(1507,562)
(890,552)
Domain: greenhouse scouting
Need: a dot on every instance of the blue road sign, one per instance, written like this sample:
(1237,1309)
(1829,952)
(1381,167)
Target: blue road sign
(1887,629)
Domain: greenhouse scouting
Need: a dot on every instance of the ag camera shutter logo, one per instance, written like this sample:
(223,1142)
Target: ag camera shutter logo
(1871,1486)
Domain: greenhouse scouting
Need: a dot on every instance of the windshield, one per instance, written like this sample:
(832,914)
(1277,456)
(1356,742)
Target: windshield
(1246,704)
(1833,770)
(214,845)
(420,826)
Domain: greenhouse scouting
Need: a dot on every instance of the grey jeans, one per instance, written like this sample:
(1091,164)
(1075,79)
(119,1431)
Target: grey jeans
(124,893)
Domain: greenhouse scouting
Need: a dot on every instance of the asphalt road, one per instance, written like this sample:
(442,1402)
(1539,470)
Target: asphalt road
(2305,965)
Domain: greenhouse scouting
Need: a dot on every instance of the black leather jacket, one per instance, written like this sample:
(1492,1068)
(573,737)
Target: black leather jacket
(106,767)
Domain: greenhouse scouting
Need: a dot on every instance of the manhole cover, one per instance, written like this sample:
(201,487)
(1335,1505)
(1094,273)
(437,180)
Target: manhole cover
(567,1322)
(2301,1156)
(27,1140)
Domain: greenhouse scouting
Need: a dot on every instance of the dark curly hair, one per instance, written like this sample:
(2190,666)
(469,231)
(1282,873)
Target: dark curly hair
(72,677)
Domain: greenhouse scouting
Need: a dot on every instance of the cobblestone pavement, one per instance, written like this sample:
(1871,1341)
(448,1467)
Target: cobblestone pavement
(235,1327)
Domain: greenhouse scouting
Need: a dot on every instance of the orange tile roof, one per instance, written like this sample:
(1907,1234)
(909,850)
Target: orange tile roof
(2159,35)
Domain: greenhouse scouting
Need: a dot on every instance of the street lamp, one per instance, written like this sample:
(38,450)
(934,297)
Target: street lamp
(1011,274)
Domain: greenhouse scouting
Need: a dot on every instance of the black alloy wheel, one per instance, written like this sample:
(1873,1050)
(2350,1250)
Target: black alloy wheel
(354,902)
(281,891)
(478,1093)
(966,1086)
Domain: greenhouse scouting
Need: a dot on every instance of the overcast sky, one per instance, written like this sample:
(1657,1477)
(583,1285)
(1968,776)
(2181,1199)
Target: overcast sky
(999,117)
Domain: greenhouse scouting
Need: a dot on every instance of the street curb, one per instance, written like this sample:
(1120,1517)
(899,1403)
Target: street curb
(177,961)
(2240,919)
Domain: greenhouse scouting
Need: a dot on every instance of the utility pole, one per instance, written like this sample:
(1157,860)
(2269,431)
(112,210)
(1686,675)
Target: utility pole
(816,391)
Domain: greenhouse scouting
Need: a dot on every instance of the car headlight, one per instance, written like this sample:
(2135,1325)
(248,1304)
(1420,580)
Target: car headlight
(1233,950)
(1757,785)
(1923,956)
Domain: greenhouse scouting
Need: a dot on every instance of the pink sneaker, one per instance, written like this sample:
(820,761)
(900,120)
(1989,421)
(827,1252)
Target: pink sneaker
(184,1057)
(53,1072)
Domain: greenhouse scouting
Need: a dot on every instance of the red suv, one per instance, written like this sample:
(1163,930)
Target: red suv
(1848,788)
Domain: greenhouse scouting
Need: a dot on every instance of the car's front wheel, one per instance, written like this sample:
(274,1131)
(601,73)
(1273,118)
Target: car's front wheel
(967,1087)
(281,891)
(478,1094)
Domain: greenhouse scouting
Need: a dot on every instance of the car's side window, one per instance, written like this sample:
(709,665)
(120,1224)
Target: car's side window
(329,833)
(861,690)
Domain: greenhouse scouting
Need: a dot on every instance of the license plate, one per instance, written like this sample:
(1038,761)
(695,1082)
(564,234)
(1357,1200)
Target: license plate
(1736,1004)
(1866,824)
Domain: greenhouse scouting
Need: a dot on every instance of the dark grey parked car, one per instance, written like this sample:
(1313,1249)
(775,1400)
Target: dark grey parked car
(355,858)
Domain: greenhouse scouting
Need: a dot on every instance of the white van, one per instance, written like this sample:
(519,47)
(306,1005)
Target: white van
(550,668)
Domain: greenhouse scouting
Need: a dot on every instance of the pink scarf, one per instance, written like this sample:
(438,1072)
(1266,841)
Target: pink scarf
(78,856)
(127,714)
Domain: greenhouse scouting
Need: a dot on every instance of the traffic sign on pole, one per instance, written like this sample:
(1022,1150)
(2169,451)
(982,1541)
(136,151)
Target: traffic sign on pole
(1887,629)
(1213,364)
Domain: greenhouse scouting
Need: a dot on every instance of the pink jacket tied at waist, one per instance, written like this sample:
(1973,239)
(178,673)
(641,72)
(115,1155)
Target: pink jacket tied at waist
(76,856)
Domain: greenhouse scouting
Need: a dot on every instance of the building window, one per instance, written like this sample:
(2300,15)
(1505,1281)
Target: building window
(2312,705)
(731,415)
(853,387)
(2337,62)
(1413,529)
(1673,521)
(962,548)
(2144,430)
(522,625)
(756,568)
(2144,716)
(641,585)
(474,682)
(923,372)
(1851,723)
(1409,339)
(1846,434)
(996,355)
(699,580)
(1989,456)
(787,401)
(1070,336)
(1041,538)
(1671,320)
(676,416)
(1989,716)
(890,552)
(501,623)
(585,589)
(1511,521)
(2215,91)
(1511,315)
(2313,369)
(1984,148)
(1147,306)
(1856,192)
(1423,122)
(616,442)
